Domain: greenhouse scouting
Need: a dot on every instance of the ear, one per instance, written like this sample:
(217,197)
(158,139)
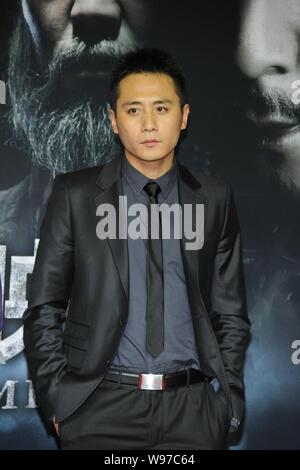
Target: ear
(113,120)
(185,115)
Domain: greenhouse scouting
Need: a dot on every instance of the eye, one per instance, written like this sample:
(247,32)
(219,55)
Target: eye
(162,109)
(132,110)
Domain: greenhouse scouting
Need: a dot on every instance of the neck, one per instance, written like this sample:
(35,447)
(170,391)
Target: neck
(151,169)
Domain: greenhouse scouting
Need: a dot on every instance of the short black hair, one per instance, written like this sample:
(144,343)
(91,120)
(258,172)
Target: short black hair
(146,60)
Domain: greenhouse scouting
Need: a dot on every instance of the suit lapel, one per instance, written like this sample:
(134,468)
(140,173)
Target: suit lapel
(109,183)
(110,187)
(190,192)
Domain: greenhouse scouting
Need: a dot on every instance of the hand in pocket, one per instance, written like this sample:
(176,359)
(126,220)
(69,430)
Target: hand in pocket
(56,426)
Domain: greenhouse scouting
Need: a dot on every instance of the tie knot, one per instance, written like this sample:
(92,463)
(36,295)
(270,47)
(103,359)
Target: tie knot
(152,189)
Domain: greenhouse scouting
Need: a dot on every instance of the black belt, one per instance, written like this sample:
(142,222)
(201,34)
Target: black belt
(157,381)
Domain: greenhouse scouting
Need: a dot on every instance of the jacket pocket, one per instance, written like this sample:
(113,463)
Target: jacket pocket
(75,339)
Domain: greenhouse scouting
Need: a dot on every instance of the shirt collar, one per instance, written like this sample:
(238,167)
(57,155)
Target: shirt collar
(137,180)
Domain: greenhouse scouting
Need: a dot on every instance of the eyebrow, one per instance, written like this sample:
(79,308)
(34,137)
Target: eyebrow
(130,103)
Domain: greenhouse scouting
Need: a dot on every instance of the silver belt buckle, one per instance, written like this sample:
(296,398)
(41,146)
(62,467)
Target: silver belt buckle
(151,382)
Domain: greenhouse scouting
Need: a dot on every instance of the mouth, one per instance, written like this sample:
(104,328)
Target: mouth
(150,143)
(274,132)
(92,73)
(90,66)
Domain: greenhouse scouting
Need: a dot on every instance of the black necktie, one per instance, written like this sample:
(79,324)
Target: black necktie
(155,287)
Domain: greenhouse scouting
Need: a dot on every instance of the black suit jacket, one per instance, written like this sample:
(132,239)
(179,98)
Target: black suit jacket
(85,280)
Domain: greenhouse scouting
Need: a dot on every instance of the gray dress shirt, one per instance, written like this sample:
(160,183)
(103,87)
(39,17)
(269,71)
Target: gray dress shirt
(179,341)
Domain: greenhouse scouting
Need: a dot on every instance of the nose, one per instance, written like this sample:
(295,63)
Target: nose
(149,122)
(95,20)
(267,46)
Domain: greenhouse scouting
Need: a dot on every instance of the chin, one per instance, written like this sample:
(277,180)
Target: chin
(283,179)
(153,158)
(156,156)
(148,158)
(290,184)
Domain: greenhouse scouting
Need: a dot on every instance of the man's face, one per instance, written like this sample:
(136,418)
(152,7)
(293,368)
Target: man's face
(268,57)
(55,24)
(61,57)
(148,117)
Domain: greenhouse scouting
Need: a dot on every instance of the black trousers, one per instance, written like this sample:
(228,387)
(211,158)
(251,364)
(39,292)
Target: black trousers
(119,416)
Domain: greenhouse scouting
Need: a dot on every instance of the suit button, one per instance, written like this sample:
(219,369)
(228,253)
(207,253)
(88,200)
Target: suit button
(122,322)
(107,363)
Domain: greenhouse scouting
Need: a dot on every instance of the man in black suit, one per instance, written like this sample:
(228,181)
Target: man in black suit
(152,350)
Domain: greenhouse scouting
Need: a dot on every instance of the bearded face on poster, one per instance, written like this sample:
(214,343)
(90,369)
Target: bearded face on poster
(60,57)
(267,56)
(258,102)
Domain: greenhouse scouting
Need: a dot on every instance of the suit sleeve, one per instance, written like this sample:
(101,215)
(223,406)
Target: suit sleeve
(230,320)
(49,292)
